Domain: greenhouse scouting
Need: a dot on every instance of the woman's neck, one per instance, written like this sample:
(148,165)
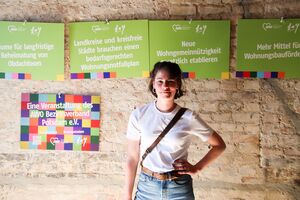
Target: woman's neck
(165,106)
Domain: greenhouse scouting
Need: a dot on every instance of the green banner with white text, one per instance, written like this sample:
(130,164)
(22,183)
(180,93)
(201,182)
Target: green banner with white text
(109,49)
(201,48)
(31,50)
(268,48)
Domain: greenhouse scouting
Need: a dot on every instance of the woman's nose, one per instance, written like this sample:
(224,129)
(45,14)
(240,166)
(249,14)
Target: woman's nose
(165,84)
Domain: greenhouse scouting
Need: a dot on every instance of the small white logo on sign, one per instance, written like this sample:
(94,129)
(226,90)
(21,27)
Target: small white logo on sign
(178,27)
(98,28)
(120,28)
(13,28)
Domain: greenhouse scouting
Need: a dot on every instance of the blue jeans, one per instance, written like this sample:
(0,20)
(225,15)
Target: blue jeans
(150,188)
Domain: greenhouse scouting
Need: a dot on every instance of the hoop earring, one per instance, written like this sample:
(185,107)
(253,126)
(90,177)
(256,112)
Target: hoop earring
(153,90)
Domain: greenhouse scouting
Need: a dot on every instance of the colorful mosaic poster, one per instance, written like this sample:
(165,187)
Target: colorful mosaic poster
(32,51)
(60,122)
(268,48)
(115,49)
(201,48)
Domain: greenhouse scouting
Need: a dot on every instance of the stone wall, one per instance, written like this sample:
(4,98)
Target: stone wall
(258,119)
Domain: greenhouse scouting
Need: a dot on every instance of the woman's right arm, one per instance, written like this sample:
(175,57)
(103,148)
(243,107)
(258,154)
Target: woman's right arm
(133,156)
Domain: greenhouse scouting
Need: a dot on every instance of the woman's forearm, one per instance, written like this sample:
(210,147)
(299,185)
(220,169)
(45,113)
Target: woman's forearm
(131,167)
(210,157)
(130,174)
(218,146)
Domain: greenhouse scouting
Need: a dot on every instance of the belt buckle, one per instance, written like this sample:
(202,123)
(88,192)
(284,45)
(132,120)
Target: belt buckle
(162,176)
(170,177)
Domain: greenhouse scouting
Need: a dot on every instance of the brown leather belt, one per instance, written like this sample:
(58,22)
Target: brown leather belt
(161,176)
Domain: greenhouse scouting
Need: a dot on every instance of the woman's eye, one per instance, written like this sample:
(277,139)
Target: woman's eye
(171,82)
(167,82)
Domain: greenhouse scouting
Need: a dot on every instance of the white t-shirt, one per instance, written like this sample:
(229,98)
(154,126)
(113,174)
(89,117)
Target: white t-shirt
(147,122)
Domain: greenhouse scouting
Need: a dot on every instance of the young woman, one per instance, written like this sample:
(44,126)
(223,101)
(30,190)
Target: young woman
(165,172)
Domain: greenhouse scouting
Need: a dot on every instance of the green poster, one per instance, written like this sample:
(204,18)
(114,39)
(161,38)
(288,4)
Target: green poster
(201,48)
(109,49)
(31,51)
(268,48)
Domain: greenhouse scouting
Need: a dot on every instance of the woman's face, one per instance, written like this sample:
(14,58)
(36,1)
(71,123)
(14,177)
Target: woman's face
(164,86)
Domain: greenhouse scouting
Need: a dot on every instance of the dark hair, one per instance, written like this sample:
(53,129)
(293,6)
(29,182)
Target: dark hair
(174,72)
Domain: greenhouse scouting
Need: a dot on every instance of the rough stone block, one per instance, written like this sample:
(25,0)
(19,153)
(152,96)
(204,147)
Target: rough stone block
(251,85)
(248,118)
(183,10)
